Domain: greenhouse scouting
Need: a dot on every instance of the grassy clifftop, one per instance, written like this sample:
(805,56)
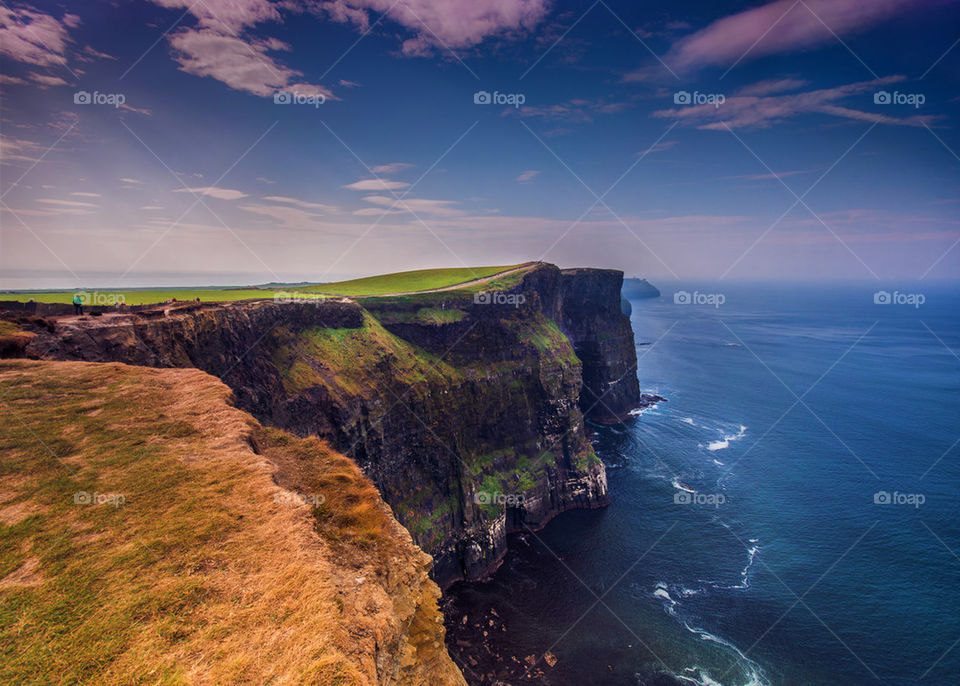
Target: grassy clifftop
(152,533)
(423,280)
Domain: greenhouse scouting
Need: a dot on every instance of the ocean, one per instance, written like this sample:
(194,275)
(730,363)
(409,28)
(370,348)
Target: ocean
(789,516)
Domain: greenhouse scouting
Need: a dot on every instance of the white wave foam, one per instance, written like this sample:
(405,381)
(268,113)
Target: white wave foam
(745,574)
(725,441)
(688,420)
(697,675)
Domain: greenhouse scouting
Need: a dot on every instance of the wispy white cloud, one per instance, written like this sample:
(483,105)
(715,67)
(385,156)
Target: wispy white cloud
(391,168)
(376,185)
(243,64)
(321,207)
(528,176)
(783,26)
(30,36)
(46,80)
(659,147)
(375,212)
(772,86)
(214,192)
(416,205)
(19,150)
(748,111)
(217,47)
(228,15)
(574,111)
(443,25)
(285,215)
(66,203)
(767,177)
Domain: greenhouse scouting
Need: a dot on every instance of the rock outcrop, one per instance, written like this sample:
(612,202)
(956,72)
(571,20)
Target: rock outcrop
(638,289)
(466,409)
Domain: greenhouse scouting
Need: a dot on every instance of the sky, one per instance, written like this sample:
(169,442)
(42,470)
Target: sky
(200,142)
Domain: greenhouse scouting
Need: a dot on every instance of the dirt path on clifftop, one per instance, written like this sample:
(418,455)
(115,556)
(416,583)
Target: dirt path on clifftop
(455,287)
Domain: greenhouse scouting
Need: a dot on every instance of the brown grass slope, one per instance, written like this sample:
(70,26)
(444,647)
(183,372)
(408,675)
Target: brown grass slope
(213,550)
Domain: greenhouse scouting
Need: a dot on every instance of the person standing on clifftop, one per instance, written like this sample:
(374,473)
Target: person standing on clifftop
(77,304)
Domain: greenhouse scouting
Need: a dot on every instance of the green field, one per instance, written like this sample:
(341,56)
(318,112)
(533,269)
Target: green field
(142,297)
(408,282)
(400,282)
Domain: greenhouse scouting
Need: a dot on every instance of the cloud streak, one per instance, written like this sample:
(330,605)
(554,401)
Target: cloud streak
(216,48)
(443,24)
(750,111)
(214,192)
(376,185)
(33,37)
(779,27)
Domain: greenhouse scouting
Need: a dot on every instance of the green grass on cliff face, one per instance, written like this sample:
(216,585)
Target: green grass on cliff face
(385,284)
(353,360)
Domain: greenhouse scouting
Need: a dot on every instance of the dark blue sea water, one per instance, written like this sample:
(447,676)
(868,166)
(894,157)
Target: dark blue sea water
(792,412)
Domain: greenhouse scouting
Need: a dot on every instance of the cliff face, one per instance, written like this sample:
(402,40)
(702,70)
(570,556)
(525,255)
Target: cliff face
(603,339)
(466,411)
(639,288)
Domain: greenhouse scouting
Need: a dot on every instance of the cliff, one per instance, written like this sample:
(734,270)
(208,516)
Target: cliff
(466,409)
(639,288)
(154,533)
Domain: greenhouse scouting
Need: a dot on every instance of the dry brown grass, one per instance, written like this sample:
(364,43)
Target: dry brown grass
(208,572)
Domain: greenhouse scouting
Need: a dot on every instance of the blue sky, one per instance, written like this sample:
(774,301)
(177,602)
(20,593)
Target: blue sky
(184,169)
